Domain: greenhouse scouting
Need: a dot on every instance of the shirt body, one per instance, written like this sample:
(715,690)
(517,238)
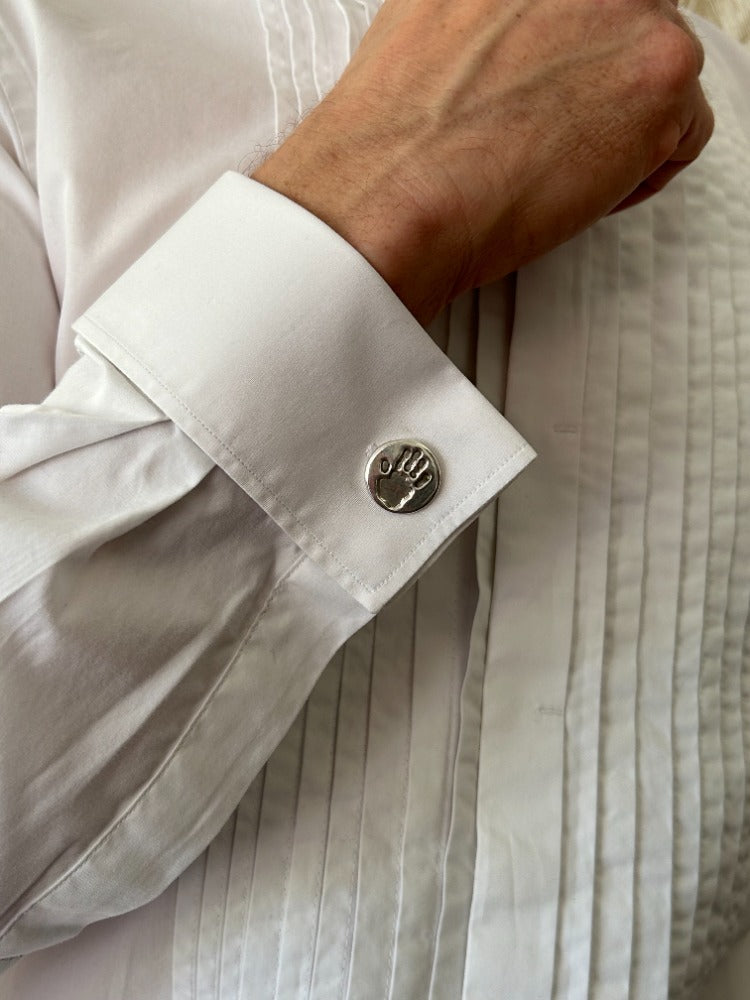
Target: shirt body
(526,776)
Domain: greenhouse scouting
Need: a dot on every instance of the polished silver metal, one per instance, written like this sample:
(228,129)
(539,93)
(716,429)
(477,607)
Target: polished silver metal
(402,476)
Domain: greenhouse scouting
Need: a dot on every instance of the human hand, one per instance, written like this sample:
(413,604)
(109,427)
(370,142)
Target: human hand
(465,139)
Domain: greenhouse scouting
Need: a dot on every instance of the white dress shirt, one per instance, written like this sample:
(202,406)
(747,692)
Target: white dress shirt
(522,776)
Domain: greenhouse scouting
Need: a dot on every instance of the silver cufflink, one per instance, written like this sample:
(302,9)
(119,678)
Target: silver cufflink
(402,476)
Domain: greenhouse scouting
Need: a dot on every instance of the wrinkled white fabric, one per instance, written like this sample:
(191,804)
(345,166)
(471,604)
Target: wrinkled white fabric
(526,776)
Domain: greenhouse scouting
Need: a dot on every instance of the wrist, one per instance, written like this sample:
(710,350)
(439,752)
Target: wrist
(350,183)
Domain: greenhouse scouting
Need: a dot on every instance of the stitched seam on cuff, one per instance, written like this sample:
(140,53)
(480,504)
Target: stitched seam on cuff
(370,588)
(171,757)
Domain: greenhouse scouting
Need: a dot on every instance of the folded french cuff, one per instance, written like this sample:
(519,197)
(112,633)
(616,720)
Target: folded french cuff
(283,354)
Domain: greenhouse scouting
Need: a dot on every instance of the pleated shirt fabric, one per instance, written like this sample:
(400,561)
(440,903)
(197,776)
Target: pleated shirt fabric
(525,775)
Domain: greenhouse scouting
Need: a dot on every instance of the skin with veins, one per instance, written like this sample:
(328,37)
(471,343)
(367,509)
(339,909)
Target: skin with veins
(464,140)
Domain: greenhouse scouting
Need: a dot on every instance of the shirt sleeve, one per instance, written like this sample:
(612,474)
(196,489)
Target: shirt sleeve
(187,537)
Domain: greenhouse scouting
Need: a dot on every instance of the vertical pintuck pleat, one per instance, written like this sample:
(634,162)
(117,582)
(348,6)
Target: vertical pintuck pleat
(291,54)
(242,866)
(720,536)
(662,535)
(316,66)
(613,916)
(430,756)
(186,930)
(738,915)
(300,923)
(580,798)
(689,622)
(213,912)
(273,859)
(336,908)
(356,17)
(455,879)
(297,65)
(385,797)
(274,61)
(739,904)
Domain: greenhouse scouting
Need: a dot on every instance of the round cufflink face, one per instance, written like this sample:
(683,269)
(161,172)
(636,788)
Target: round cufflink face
(402,476)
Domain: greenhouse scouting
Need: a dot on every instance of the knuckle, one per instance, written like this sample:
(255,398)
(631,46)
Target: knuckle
(679,59)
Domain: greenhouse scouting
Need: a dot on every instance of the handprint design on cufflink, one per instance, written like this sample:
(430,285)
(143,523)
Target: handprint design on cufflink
(398,483)
(403,476)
